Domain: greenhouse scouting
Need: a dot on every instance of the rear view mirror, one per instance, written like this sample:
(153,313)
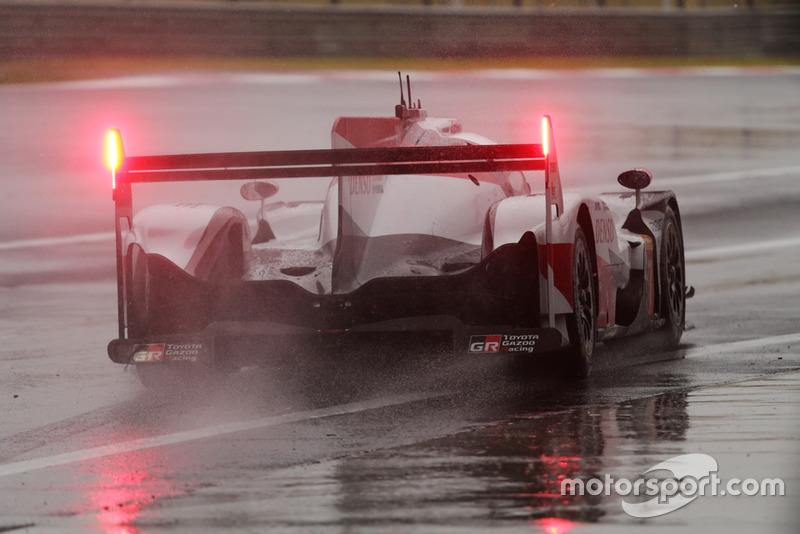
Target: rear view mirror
(635,179)
(259,190)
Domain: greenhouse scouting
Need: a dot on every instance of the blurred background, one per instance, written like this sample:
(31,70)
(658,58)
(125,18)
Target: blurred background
(486,30)
(179,76)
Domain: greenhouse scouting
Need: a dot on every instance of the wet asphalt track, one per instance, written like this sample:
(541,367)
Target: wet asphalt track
(414,445)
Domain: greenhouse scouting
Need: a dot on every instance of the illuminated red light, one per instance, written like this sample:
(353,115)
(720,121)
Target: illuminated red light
(115,153)
(545,135)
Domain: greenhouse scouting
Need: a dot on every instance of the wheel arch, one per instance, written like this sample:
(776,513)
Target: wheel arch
(673,203)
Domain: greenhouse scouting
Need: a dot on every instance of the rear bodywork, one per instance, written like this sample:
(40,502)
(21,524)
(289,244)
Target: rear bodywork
(428,238)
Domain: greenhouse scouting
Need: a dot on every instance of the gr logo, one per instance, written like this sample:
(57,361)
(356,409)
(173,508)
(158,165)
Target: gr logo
(153,352)
(485,343)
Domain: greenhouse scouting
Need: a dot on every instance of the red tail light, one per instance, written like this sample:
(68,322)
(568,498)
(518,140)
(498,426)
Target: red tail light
(115,154)
(545,135)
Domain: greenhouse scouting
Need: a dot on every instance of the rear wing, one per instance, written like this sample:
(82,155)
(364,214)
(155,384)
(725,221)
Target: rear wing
(415,160)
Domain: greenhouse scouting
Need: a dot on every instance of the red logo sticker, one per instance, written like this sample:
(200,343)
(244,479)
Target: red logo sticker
(485,343)
(153,352)
(504,343)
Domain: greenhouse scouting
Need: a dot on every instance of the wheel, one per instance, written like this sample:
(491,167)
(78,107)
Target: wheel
(581,323)
(138,287)
(673,280)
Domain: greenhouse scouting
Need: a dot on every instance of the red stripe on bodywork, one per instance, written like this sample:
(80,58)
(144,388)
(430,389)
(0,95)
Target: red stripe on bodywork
(607,294)
(562,279)
(562,267)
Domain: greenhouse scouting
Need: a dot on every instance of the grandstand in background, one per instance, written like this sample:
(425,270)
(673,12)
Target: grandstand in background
(571,4)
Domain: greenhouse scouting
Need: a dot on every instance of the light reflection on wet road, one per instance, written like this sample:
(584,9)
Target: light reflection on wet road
(484,449)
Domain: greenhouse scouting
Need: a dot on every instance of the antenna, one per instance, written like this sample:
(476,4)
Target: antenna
(410,111)
(402,97)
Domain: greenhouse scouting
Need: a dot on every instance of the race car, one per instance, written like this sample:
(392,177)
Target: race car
(427,237)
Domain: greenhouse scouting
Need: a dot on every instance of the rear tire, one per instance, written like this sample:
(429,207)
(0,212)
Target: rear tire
(673,280)
(581,323)
(138,287)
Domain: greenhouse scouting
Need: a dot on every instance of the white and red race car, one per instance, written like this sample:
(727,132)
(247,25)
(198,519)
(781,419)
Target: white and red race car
(428,237)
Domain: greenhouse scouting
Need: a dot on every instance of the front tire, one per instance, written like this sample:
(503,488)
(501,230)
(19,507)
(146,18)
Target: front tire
(581,323)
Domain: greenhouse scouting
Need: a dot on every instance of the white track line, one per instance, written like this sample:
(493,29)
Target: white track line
(718,253)
(344,409)
(750,344)
(300,77)
(732,176)
(208,432)
(55,241)
(705,254)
